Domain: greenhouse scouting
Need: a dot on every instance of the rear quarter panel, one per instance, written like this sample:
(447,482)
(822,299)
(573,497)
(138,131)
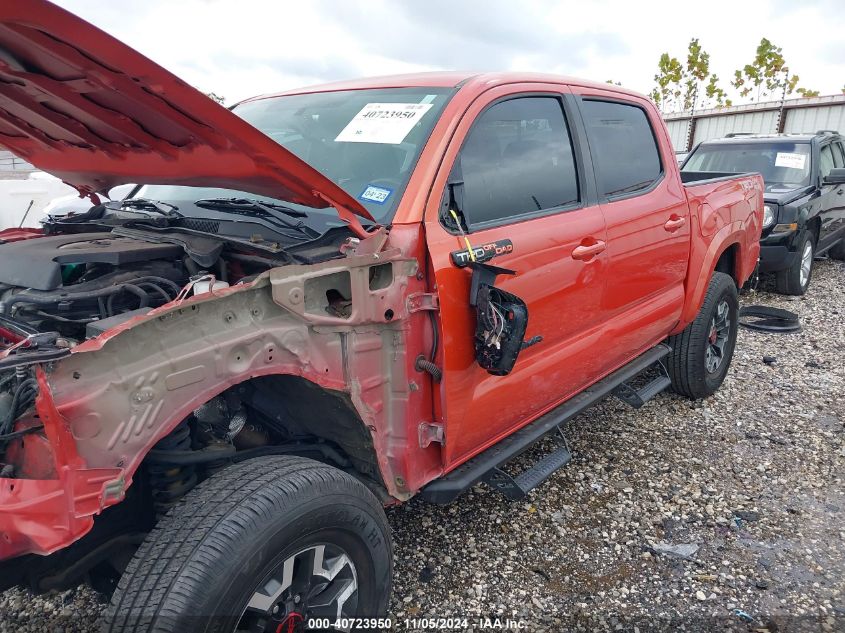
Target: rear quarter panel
(724,213)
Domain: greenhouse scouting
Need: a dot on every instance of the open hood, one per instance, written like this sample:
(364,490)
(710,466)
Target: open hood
(83,106)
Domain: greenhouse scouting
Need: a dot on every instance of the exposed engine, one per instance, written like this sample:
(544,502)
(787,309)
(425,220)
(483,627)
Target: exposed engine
(59,290)
(66,283)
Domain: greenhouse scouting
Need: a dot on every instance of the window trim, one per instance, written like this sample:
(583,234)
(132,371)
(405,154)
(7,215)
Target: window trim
(585,195)
(661,176)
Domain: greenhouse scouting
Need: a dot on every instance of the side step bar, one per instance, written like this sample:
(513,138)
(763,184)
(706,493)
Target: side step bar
(638,396)
(516,488)
(487,465)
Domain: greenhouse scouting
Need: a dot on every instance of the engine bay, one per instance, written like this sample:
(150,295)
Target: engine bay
(80,281)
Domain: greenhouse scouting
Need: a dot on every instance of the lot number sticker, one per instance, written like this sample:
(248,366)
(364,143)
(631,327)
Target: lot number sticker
(793,161)
(387,123)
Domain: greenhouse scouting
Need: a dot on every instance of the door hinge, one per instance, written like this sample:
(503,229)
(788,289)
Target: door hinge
(423,301)
(430,432)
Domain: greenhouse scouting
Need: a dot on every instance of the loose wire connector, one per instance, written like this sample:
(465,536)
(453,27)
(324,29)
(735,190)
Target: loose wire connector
(463,234)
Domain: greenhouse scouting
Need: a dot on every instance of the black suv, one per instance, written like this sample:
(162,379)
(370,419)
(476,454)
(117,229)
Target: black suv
(805,196)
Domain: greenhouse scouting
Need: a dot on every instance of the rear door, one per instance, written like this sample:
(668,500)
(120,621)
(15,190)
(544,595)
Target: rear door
(648,220)
(832,196)
(525,189)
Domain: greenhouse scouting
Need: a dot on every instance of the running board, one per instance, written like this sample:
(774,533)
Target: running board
(516,488)
(638,396)
(485,465)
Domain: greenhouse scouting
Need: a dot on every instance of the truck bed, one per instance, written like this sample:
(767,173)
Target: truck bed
(701,177)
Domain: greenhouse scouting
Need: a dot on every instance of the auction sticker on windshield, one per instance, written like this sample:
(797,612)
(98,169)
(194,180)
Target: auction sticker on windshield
(793,161)
(387,123)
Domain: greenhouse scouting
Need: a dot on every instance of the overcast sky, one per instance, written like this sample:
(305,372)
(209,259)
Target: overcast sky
(240,48)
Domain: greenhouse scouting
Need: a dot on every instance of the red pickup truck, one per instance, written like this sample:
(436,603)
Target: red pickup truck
(322,303)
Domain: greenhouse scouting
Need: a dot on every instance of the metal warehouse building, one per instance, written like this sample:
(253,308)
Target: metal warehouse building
(792,115)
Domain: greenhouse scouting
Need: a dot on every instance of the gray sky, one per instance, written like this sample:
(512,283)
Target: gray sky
(240,48)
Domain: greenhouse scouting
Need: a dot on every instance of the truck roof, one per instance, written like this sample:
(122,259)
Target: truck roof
(739,137)
(449,79)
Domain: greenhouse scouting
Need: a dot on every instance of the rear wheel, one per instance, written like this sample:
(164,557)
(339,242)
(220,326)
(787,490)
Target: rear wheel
(264,546)
(796,279)
(702,353)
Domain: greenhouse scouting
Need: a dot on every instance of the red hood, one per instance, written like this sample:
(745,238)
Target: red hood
(85,107)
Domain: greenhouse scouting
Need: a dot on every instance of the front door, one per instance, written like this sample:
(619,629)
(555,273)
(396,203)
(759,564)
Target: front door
(522,186)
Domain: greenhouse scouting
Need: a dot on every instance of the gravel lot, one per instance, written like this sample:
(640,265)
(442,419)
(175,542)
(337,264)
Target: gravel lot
(753,477)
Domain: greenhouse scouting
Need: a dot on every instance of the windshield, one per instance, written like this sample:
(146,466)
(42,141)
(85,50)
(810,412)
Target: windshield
(366,141)
(780,163)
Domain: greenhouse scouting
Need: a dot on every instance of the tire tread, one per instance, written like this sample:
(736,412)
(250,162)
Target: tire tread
(681,364)
(202,530)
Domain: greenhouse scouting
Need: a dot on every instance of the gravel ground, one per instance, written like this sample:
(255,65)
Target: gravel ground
(751,479)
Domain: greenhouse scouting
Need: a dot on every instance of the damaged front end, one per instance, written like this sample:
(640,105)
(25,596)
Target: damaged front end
(57,505)
(308,359)
(241,311)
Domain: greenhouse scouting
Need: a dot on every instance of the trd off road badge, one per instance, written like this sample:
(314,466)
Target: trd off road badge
(482,253)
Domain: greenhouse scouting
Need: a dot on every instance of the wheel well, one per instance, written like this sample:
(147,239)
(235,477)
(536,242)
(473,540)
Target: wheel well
(727,262)
(277,415)
(814,226)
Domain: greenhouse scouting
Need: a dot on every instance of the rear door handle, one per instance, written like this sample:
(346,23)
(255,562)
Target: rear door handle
(674,223)
(588,251)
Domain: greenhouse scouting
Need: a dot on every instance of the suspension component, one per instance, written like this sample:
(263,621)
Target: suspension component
(169,483)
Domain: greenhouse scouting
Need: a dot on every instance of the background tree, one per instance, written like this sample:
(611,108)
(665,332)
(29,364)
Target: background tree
(669,75)
(614,83)
(715,94)
(767,75)
(690,85)
(695,74)
(216,97)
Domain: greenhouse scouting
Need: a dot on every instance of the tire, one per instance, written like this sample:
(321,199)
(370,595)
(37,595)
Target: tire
(687,363)
(838,250)
(221,547)
(796,279)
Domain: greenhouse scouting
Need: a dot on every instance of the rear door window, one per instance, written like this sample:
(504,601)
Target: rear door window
(623,147)
(517,160)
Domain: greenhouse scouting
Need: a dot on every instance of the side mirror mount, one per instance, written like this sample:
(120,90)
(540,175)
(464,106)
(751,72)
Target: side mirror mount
(501,320)
(835,177)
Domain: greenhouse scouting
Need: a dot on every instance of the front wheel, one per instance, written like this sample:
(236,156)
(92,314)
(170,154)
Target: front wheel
(796,279)
(702,353)
(272,544)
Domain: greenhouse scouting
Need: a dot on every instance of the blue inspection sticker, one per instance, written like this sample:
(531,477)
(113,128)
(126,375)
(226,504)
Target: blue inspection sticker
(379,195)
